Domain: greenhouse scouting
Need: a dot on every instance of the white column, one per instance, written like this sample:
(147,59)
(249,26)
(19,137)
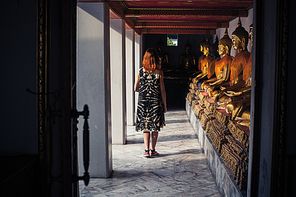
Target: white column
(93,84)
(138,63)
(118,80)
(130,75)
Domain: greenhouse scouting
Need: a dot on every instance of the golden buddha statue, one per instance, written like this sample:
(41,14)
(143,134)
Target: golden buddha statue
(201,57)
(201,47)
(239,41)
(187,59)
(238,104)
(163,56)
(247,75)
(247,72)
(204,66)
(221,66)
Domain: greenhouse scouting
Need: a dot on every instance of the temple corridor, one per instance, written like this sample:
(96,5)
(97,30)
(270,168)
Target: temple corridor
(61,57)
(180,169)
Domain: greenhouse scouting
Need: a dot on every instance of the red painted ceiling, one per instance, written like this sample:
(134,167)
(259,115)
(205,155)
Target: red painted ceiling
(183,18)
(177,16)
(191,5)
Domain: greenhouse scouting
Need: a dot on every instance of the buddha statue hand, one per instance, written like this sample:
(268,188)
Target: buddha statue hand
(196,78)
(223,101)
(214,83)
(222,88)
(249,81)
(193,86)
(219,76)
(196,73)
(203,85)
(232,93)
(210,92)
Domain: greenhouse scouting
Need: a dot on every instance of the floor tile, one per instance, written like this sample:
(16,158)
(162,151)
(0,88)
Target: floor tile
(180,169)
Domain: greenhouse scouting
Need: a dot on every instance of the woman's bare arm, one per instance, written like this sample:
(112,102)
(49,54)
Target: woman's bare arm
(136,86)
(162,88)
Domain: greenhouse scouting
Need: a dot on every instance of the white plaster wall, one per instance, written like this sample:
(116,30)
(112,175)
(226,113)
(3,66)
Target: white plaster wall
(137,65)
(118,81)
(93,84)
(130,75)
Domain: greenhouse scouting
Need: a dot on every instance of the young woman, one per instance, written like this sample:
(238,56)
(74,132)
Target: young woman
(152,100)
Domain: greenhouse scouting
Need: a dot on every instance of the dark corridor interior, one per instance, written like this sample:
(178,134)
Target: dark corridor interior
(176,90)
(176,78)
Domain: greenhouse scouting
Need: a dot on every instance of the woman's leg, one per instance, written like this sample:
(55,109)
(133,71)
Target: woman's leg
(146,136)
(154,140)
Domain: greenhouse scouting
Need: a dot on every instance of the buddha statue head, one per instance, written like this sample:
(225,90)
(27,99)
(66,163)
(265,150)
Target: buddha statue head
(201,44)
(224,44)
(206,47)
(187,47)
(240,37)
(251,34)
(160,45)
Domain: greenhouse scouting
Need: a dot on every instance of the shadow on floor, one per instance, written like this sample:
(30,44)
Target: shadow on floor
(140,140)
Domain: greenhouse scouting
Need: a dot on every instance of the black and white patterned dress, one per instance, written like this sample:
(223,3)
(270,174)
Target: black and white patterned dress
(150,116)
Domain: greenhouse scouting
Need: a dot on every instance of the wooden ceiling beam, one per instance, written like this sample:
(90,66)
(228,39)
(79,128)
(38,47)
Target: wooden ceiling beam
(185,13)
(181,25)
(163,27)
(130,22)
(117,8)
(178,31)
(238,1)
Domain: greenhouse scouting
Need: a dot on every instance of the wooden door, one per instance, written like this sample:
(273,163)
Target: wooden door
(56,100)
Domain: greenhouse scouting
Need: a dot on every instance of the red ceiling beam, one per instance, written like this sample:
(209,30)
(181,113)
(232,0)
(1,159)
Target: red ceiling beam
(178,31)
(238,1)
(131,24)
(180,13)
(181,25)
(118,10)
(90,1)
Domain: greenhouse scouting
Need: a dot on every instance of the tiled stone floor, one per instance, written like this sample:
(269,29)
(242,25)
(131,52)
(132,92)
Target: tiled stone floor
(180,169)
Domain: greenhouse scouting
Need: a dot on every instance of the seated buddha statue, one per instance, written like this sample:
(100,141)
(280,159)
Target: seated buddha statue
(163,56)
(238,104)
(201,46)
(247,78)
(247,75)
(222,66)
(239,41)
(247,72)
(198,71)
(205,66)
(187,59)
